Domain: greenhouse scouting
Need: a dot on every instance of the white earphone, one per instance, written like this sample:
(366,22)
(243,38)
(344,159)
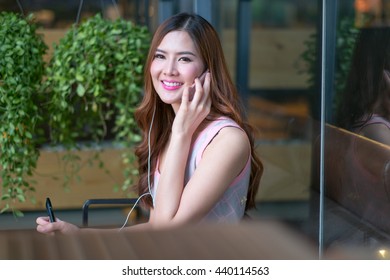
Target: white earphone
(149,184)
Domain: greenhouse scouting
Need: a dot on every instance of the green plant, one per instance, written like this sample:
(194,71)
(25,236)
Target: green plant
(21,70)
(94,83)
(345,42)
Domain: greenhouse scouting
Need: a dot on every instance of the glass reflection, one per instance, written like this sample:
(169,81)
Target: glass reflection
(365,104)
(357,139)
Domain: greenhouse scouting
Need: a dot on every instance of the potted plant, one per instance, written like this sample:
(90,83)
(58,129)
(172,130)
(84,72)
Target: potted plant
(21,70)
(93,83)
(87,94)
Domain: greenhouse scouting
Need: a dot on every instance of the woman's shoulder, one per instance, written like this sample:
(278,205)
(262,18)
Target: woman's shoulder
(377,131)
(376,128)
(222,132)
(221,122)
(226,132)
(232,136)
(377,119)
(230,145)
(216,125)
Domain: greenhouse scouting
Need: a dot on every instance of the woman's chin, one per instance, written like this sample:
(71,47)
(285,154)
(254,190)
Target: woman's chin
(170,98)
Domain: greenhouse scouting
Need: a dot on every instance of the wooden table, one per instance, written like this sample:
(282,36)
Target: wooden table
(265,240)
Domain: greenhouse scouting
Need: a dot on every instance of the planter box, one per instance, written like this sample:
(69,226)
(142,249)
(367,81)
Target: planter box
(95,182)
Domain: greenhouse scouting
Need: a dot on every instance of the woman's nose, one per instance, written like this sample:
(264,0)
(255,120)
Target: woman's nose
(170,69)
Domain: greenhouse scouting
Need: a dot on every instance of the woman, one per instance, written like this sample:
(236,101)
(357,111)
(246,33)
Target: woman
(365,105)
(196,143)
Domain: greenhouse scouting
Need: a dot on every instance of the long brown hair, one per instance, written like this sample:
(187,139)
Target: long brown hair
(223,94)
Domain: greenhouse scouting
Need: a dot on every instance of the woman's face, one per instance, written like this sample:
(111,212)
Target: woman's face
(175,66)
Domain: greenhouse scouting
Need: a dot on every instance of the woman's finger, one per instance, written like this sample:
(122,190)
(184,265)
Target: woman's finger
(206,87)
(198,91)
(185,98)
(42,220)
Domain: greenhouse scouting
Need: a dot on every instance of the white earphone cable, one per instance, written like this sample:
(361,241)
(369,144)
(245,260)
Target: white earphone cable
(149,184)
(149,155)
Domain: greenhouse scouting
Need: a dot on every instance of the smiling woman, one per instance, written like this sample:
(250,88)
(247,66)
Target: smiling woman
(196,161)
(175,66)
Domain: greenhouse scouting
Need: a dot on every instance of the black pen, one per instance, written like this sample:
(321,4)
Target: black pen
(49,210)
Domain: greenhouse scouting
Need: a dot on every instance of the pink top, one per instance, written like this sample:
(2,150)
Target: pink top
(375,119)
(231,206)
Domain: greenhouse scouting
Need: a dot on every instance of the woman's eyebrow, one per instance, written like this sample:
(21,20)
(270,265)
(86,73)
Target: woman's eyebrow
(179,53)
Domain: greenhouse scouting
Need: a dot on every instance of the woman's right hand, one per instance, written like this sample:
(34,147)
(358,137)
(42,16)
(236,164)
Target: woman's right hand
(46,227)
(193,110)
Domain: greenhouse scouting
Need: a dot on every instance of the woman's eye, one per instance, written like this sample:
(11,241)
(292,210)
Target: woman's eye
(158,56)
(185,59)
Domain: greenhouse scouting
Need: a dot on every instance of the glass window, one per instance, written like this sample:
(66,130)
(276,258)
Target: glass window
(357,131)
(343,204)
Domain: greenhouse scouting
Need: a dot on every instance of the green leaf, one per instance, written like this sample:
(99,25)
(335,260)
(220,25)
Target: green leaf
(28,135)
(5,208)
(102,67)
(119,56)
(79,77)
(80,90)
(18,213)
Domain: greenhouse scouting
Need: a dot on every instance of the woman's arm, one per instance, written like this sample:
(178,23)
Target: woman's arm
(188,117)
(223,159)
(59,226)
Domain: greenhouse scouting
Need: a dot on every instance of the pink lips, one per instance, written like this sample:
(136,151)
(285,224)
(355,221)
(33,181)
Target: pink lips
(170,85)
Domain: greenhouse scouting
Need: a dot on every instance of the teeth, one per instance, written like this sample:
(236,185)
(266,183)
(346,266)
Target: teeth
(172,84)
